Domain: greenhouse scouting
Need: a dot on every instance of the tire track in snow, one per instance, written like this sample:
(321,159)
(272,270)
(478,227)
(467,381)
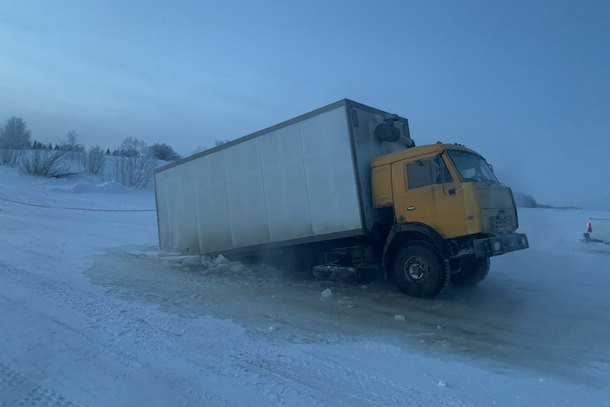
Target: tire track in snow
(108,330)
(18,390)
(157,335)
(316,372)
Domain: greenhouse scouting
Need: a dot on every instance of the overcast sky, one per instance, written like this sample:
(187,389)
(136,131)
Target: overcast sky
(525,83)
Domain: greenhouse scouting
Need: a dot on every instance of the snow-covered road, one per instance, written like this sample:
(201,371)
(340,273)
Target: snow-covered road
(92,314)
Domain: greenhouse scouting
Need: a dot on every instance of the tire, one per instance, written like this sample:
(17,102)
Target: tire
(420,271)
(472,272)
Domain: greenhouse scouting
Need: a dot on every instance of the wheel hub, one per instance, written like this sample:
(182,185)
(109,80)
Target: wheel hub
(415,269)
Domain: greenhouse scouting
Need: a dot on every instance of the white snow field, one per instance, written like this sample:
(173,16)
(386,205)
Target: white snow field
(91,313)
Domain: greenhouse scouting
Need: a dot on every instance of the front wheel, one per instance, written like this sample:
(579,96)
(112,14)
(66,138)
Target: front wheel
(420,271)
(472,271)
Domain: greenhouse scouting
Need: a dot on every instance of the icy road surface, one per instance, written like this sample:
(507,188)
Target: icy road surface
(92,314)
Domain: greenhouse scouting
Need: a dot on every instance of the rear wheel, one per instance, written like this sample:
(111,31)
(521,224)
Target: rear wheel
(420,271)
(473,271)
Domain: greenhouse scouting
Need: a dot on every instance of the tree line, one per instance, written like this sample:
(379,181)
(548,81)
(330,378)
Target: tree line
(15,135)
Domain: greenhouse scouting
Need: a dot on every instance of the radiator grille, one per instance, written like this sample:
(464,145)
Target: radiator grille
(501,223)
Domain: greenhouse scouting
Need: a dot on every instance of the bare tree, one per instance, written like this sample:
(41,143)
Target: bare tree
(132,147)
(70,143)
(133,171)
(95,160)
(10,157)
(162,151)
(15,135)
(43,163)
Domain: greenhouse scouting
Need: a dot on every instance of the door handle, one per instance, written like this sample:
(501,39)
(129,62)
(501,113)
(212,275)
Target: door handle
(410,208)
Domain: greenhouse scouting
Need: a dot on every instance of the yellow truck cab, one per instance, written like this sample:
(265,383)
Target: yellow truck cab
(451,214)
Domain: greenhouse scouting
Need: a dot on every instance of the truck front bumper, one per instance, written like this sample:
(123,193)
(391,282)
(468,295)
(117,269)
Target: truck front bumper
(500,244)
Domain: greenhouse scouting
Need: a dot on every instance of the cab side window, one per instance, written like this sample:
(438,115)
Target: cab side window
(422,173)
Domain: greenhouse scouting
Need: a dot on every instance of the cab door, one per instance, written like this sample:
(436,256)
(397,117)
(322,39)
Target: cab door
(425,191)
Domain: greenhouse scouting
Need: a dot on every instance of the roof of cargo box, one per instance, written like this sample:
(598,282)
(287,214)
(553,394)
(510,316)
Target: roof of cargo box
(323,109)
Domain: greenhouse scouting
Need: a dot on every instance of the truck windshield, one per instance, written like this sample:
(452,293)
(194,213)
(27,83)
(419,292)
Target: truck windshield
(472,167)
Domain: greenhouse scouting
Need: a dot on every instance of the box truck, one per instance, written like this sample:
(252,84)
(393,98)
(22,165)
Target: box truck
(342,189)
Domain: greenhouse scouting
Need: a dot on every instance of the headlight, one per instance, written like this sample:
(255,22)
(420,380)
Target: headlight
(497,246)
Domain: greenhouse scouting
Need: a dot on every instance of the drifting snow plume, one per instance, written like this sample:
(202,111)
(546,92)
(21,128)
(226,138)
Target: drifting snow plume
(144,253)
(181,260)
(104,187)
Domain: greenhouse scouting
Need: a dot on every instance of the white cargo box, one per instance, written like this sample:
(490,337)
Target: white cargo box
(304,180)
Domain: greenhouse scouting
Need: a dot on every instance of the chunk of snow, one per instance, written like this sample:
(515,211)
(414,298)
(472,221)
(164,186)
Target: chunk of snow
(182,260)
(442,383)
(327,293)
(206,261)
(399,317)
(237,268)
(220,259)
